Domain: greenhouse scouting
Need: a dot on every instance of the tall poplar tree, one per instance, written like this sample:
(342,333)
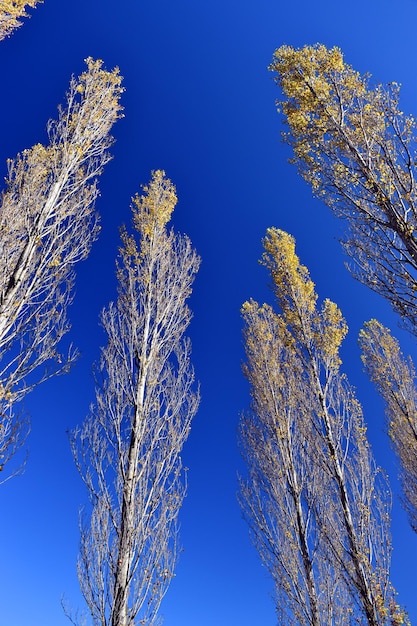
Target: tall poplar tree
(357,150)
(128,449)
(48,224)
(317,505)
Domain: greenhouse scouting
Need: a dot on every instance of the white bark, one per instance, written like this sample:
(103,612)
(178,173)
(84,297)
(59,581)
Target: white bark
(128,448)
(47,224)
(318,506)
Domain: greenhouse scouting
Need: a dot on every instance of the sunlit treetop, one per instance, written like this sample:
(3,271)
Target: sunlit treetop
(324,95)
(323,328)
(144,250)
(94,103)
(10,13)
(358,151)
(310,75)
(153,208)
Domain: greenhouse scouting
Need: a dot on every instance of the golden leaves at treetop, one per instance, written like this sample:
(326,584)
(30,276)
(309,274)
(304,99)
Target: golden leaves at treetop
(332,114)
(153,209)
(304,75)
(293,287)
(10,13)
(357,150)
(323,330)
(93,108)
(320,88)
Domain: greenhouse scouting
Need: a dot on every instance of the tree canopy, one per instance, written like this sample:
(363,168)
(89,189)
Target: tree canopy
(357,150)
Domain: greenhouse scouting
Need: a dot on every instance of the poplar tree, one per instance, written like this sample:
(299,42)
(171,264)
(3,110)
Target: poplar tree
(48,224)
(395,377)
(357,150)
(317,505)
(128,449)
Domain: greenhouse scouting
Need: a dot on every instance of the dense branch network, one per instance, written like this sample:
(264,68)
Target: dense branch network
(317,505)
(47,225)
(128,449)
(395,378)
(357,149)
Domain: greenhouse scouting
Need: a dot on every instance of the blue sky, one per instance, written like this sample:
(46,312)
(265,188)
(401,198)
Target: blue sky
(199,103)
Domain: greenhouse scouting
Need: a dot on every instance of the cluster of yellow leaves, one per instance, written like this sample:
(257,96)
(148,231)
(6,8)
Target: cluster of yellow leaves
(265,337)
(319,88)
(334,330)
(153,208)
(334,118)
(308,78)
(349,140)
(394,376)
(323,329)
(379,350)
(38,161)
(5,394)
(293,287)
(94,104)
(10,13)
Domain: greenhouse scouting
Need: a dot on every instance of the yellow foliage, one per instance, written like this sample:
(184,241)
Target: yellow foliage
(293,287)
(321,331)
(98,105)
(330,111)
(10,13)
(333,331)
(56,262)
(356,149)
(153,209)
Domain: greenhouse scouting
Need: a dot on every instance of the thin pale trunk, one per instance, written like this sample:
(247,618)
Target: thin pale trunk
(361,582)
(119,615)
(24,265)
(307,563)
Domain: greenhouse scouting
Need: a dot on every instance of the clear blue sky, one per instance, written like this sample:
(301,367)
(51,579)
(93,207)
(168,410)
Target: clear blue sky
(199,103)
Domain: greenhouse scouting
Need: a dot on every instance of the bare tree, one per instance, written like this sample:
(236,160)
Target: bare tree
(395,378)
(11,11)
(317,505)
(357,149)
(128,450)
(47,224)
